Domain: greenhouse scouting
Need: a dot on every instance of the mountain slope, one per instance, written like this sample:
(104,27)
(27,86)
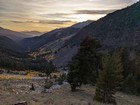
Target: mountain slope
(32,33)
(9,47)
(52,36)
(118,29)
(16,36)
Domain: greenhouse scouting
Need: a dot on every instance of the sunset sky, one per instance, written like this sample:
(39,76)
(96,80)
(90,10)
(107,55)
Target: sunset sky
(45,15)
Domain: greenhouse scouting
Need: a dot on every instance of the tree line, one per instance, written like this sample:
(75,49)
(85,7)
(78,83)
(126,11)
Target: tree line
(109,72)
(37,64)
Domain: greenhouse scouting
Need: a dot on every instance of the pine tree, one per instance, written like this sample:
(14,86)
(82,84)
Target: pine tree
(74,74)
(128,65)
(137,74)
(129,85)
(110,79)
(89,60)
(84,67)
(50,68)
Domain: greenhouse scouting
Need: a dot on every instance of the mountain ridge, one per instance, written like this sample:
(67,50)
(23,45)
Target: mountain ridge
(32,33)
(118,29)
(125,22)
(39,41)
(16,36)
(11,48)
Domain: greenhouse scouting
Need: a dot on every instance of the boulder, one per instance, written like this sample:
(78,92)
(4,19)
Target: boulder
(21,103)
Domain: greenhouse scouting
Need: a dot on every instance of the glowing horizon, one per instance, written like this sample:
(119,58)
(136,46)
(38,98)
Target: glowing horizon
(46,15)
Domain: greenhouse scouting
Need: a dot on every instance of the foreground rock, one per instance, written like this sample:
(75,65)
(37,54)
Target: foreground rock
(21,103)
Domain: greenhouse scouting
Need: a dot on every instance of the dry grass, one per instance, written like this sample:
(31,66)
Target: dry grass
(63,96)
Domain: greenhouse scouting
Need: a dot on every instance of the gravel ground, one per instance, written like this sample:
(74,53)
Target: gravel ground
(14,91)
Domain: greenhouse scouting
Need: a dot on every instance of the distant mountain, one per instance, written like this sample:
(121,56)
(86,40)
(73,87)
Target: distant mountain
(16,36)
(32,33)
(52,37)
(11,48)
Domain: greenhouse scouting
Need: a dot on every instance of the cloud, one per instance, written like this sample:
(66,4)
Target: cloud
(2,8)
(61,16)
(54,22)
(43,22)
(40,13)
(57,14)
(15,21)
(94,11)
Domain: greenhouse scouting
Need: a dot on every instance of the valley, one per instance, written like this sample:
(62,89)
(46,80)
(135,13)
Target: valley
(93,62)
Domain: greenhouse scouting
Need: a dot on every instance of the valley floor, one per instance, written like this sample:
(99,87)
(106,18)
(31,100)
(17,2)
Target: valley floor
(11,94)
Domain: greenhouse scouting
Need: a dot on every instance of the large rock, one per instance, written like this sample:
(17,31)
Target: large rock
(21,103)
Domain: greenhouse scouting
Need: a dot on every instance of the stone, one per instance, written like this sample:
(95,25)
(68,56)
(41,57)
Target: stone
(21,103)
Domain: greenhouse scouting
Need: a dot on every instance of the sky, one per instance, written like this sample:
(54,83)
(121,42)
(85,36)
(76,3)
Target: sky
(46,15)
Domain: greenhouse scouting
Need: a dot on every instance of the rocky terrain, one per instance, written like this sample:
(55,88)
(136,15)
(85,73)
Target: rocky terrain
(16,91)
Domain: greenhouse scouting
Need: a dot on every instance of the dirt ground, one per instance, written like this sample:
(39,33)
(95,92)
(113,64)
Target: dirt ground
(61,96)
